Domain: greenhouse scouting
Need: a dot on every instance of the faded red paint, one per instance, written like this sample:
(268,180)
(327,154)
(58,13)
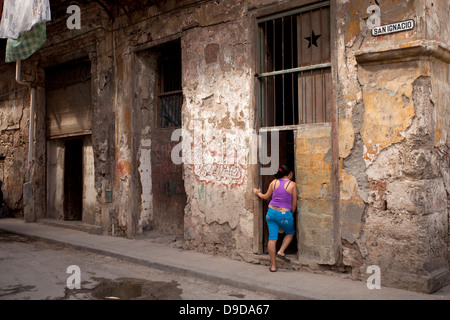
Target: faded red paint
(124,167)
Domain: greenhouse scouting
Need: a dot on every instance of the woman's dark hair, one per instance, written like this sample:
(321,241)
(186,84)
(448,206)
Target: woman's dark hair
(283,171)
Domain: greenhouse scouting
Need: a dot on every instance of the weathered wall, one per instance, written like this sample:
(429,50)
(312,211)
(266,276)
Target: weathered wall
(145,100)
(440,86)
(14,116)
(217,84)
(217,89)
(313,158)
(123,110)
(391,95)
(393,203)
(55,180)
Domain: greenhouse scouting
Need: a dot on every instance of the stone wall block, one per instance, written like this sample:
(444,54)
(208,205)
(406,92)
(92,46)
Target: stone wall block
(416,197)
(422,130)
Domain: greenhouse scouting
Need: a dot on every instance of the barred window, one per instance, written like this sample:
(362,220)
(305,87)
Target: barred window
(295,67)
(170,90)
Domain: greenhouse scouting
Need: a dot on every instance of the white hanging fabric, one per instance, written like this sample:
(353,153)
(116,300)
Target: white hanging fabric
(21,15)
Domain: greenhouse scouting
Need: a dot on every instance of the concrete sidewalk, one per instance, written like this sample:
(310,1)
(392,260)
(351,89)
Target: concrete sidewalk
(287,284)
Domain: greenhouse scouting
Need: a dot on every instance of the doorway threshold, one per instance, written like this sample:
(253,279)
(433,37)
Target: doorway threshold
(264,259)
(75,225)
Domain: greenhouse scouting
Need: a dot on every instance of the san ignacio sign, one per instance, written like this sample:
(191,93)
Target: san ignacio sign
(393,27)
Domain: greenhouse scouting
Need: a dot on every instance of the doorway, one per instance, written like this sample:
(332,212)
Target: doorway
(287,157)
(73,179)
(70,160)
(169,195)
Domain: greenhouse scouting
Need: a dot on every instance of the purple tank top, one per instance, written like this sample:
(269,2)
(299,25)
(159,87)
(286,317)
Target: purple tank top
(280,197)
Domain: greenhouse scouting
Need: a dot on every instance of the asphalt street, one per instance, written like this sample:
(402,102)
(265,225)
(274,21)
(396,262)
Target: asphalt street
(38,270)
(149,253)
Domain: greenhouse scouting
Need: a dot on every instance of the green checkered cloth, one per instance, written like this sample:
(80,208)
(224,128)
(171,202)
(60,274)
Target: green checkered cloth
(27,43)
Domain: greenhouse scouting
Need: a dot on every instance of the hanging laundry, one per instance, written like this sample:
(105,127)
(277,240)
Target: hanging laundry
(21,15)
(27,43)
(24,24)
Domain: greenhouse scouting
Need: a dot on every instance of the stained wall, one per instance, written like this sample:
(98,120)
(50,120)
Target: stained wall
(377,191)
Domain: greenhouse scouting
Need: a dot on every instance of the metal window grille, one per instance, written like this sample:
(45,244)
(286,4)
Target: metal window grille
(295,68)
(170,109)
(171,94)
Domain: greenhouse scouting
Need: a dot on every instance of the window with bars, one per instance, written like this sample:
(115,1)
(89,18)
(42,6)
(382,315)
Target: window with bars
(170,91)
(295,67)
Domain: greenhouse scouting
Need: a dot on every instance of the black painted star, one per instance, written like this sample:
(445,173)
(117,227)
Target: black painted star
(313,39)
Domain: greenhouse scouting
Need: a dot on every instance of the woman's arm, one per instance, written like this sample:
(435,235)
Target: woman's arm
(294,197)
(268,194)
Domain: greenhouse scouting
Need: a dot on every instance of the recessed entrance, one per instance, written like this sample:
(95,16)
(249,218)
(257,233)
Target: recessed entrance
(70,169)
(163,193)
(169,198)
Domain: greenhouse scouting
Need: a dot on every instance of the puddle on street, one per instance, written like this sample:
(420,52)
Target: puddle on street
(121,291)
(136,289)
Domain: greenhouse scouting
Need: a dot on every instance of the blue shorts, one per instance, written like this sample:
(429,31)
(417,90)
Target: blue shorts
(276,219)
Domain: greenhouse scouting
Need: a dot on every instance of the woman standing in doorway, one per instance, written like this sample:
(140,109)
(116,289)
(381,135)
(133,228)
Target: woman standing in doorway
(284,202)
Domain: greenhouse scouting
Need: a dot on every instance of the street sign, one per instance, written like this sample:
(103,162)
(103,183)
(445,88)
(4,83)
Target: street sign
(393,27)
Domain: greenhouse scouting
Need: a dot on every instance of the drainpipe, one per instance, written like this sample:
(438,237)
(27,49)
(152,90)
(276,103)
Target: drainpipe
(29,213)
(31,132)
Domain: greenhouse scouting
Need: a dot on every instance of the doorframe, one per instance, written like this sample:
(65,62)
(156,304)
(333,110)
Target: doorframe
(258,246)
(292,166)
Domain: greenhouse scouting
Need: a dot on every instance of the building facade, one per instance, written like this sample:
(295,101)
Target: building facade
(164,115)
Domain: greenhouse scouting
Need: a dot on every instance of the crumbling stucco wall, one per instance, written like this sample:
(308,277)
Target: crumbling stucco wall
(14,116)
(218,88)
(391,94)
(393,200)
(217,84)
(218,92)
(14,132)
(146,78)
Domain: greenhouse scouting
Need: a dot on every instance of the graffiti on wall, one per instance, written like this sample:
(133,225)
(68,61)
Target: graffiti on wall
(226,174)
(223,156)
